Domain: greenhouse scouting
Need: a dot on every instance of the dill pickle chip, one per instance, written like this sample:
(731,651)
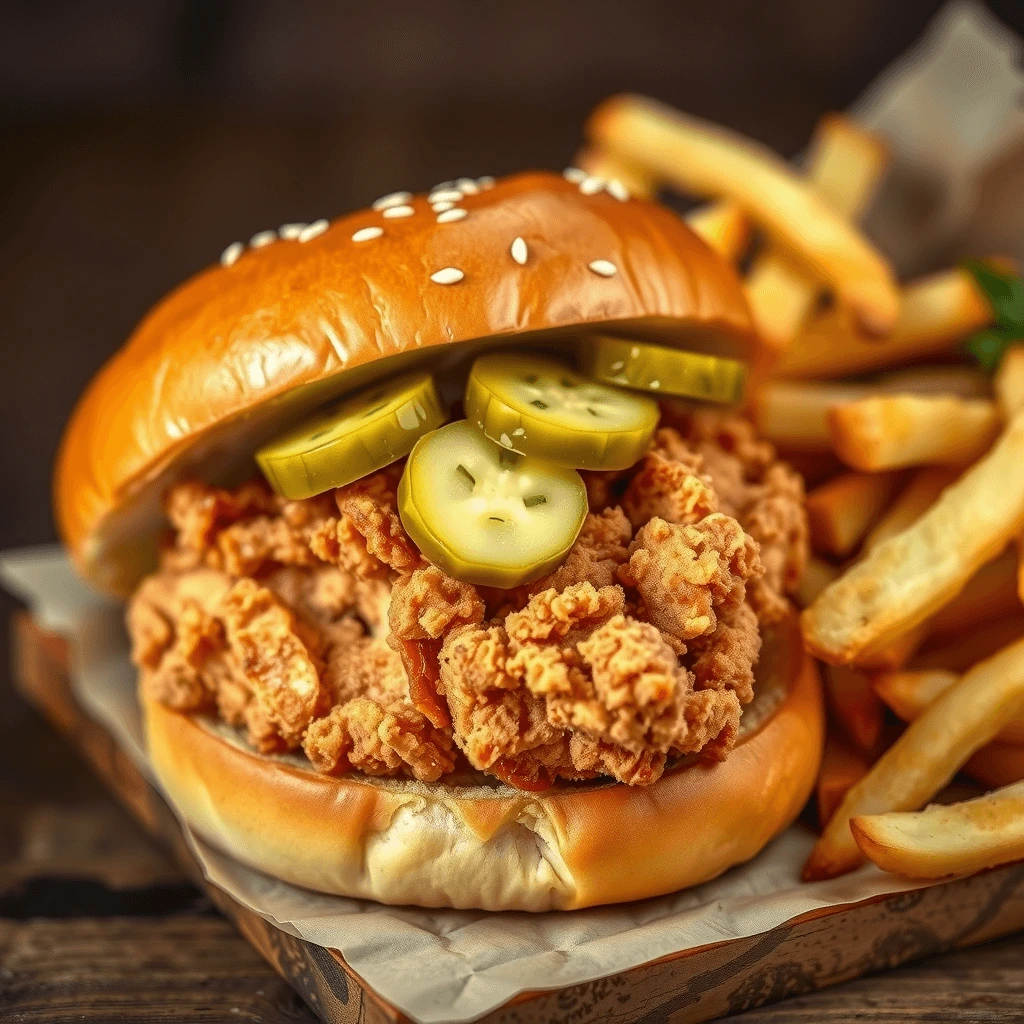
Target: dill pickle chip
(540,407)
(357,436)
(662,370)
(487,515)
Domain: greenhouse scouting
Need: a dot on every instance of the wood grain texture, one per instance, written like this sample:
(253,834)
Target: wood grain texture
(97,923)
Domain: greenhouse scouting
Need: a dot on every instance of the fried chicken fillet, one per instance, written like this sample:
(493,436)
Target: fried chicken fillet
(318,626)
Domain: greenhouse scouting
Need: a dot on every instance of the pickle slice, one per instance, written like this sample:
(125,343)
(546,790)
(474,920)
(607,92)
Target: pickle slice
(484,514)
(661,370)
(539,407)
(356,436)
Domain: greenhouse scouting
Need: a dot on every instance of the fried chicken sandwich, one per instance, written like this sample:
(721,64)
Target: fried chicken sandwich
(454,578)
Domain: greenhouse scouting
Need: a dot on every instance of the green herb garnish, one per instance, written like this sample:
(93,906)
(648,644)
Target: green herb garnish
(1005,293)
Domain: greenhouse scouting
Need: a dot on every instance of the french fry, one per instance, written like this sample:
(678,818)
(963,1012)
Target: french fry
(909,693)
(818,574)
(913,501)
(927,756)
(840,512)
(705,160)
(842,767)
(893,654)
(893,431)
(602,164)
(909,577)
(997,764)
(961,381)
(946,839)
(1009,382)
(845,165)
(936,312)
(856,706)
(1018,545)
(724,226)
(794,413)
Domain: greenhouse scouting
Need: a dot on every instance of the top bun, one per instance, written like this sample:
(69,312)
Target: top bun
(240,350)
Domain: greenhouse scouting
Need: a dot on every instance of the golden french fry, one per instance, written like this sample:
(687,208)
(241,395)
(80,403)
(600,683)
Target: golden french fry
(997,764)
(927,756)
(894,431)
(845,165)
(794,413)
(856,706)
(913,501)
(841,768)
(893,654)
(909,577)
(1018,545)
(946,839)
(818,574)
(961,381)
(909,693)
(602,164)
(724,226)
(1009,383)
(936,312)
(705,160)
(841,512)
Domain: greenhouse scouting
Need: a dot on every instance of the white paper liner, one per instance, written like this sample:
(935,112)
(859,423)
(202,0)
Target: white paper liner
(948,110)
(436,965)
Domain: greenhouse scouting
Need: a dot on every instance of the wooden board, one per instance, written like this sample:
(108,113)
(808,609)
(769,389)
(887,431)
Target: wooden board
(808,953)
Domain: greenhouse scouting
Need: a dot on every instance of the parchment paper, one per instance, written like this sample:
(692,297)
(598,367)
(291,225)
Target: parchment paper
(950,112)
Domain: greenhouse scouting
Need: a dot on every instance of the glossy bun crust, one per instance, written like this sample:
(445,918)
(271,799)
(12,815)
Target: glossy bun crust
(238,351)
(493,847)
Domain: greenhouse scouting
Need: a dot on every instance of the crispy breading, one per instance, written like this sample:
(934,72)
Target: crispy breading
(687,575)
(639,647)
(427,602)
(668,489)
(370,507)
(264,637)
(601,547)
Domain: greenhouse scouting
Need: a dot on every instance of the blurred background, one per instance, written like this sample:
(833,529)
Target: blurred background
(139,138)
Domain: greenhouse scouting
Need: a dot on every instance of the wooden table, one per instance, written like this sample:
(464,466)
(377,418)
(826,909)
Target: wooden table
(98,924)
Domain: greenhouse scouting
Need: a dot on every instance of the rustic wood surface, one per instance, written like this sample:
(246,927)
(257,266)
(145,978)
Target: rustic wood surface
(98,923)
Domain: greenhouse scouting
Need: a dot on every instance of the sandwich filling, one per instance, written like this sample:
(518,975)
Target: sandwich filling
(317,624)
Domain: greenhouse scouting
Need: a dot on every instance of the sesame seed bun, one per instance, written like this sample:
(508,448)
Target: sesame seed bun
(477,843)
(238,351)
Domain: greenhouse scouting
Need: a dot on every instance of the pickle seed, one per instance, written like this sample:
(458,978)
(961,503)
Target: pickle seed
(465,473)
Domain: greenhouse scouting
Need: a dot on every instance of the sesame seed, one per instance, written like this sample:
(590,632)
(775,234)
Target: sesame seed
(634,352)
(449,215)
(365,234)
(445,195)
(443,185)
(468,186)
(441,207)
(262,238)
(505,441)
(618,190)
(519,432)
(447,275)
(655,384)
(604,268)
(231,253)
(392,199)
(290,231)
(619,364)
(399,211)
(591,185)
(486,182)
(574,174)
(519,251)
(318,227)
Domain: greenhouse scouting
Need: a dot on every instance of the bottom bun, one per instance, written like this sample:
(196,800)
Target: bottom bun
(471,842)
